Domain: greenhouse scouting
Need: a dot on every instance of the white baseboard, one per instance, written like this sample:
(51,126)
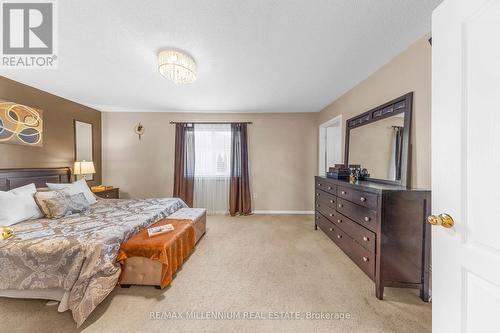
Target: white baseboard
(284,212)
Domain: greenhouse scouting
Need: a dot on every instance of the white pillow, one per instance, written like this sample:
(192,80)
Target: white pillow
(18,205)
(79,186)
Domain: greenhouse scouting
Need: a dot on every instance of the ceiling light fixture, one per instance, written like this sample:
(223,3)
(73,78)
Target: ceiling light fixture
(177,66)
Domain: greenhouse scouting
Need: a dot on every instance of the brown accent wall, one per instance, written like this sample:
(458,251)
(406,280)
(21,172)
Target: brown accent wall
(58,137)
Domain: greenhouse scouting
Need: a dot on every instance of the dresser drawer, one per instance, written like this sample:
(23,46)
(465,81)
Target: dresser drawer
(361,198)
(363,236)
(326,186)
(363,258)
(342,240)
(326,198)
(326,210)
(364,216)
(326,226)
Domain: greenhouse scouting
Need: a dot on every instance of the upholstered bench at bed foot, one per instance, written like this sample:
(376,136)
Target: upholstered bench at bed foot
(197,215)
(141,271)
(147,272)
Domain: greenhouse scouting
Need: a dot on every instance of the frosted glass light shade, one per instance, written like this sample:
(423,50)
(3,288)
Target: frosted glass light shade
(84,168)
(177,66)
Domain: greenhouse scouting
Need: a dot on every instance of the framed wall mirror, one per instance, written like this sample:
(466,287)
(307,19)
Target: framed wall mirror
(84,145)
(379,140)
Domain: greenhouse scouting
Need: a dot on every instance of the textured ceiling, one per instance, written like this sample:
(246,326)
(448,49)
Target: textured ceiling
(252,55)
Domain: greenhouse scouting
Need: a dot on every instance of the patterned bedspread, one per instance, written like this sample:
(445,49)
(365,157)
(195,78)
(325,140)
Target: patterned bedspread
(77,253)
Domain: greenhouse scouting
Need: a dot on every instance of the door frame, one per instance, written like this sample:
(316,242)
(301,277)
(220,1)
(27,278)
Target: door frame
(322,142)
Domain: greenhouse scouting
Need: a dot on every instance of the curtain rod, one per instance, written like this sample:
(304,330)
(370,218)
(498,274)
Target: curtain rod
(211,122)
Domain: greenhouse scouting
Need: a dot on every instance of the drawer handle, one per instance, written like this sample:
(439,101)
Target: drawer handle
(317,194)
(331,201)
(367,219)
(319,184)
(331,214)
(317,205)
(341,205)
(343,192)
(329,187)
(366,239)
(339,236)
(331,229)
(365,259)
(363,199)
(339,221)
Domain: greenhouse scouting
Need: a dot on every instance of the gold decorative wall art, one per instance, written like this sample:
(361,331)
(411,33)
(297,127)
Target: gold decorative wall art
(20,124)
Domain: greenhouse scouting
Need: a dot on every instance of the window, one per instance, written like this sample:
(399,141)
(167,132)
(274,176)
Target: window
(212,150)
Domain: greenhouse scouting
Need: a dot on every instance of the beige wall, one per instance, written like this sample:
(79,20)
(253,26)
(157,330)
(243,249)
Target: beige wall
(282,149)
(409,71)
(59,115)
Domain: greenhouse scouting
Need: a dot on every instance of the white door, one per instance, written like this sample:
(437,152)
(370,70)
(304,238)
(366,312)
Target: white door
(466,166)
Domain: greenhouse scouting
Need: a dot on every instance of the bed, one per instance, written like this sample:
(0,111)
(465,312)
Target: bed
(72,259)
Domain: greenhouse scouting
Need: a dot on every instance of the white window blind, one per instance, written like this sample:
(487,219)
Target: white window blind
(212,166)
(212,150)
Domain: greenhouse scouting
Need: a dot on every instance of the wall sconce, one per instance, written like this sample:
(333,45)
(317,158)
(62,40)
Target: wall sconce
(139,130)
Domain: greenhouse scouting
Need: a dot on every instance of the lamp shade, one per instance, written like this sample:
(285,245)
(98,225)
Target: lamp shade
(84,168)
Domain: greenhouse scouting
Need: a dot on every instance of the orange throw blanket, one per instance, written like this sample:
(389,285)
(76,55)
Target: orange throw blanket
(170,248)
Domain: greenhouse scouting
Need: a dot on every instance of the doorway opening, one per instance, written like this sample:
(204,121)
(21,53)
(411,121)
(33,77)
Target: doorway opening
(330,144)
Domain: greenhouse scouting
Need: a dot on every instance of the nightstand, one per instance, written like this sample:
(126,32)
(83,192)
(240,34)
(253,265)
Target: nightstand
(113,193)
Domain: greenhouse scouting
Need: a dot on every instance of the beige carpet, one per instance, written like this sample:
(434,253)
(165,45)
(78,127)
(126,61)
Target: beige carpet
(253,264)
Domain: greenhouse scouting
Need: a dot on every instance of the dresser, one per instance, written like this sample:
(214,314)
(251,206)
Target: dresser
(382,228)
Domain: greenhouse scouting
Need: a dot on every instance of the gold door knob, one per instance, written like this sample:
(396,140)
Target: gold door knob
(443,220)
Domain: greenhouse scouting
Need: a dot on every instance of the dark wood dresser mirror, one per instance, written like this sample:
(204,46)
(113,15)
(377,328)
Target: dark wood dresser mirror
(378,140)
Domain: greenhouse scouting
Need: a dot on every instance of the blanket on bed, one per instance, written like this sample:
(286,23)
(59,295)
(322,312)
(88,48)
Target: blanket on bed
(170,249)
(77,253)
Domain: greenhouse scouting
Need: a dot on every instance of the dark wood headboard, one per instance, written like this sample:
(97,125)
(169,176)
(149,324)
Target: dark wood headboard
(12,178)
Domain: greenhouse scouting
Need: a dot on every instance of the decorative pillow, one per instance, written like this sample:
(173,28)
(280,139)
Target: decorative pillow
(56,204)
(18,205)
(79,186)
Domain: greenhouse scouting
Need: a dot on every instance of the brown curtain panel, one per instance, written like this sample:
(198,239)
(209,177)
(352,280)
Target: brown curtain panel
(240,202)
(184,163)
